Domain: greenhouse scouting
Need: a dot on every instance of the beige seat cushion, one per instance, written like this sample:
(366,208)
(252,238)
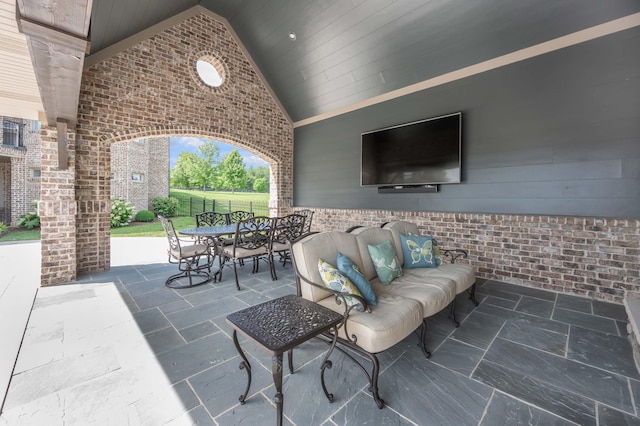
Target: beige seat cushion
(433,293)
(389,323)
(242,253)
(190,251)
(461,274)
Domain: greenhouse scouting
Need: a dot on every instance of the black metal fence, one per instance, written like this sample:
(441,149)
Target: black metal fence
(190,206)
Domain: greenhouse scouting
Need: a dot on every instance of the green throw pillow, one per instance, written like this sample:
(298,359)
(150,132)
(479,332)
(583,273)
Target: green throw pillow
(385,261)
(336,280)
(352,271)
(419,251)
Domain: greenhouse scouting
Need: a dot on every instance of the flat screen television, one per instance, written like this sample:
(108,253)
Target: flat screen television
(425,152)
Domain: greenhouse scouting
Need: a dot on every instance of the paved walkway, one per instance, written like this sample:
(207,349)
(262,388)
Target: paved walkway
(19,282)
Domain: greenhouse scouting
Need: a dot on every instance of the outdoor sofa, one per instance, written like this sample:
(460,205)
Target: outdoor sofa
(401,305)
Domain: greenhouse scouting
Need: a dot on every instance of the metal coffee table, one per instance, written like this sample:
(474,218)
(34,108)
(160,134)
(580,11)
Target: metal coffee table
(278,326)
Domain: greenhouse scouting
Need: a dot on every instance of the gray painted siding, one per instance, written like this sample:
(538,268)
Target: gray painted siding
(558,134)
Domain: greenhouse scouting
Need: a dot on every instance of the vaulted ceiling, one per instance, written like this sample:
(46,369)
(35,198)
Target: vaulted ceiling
(347,52)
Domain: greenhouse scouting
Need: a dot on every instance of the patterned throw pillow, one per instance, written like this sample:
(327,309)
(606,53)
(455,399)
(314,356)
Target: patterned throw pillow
(385,261)
(336,280)
(352,271)
(420,251)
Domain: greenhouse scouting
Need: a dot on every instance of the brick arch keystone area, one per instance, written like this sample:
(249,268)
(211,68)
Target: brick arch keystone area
(147,89)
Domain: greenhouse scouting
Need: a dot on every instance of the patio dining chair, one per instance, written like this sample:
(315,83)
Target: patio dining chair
(250,241)
(211,219)
(308,215)
(194,260)
(238,215)
(214,219)
(285,229)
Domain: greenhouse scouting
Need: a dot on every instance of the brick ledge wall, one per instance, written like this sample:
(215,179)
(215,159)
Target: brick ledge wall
(585,256)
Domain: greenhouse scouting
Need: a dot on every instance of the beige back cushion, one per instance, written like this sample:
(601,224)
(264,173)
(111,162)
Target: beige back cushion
(401,227)
(325,246)
(371,236)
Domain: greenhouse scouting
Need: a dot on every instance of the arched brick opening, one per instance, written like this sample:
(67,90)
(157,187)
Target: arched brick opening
(146,90)
(275,203)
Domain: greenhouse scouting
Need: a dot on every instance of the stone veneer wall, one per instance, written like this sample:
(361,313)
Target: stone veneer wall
(150,90)
(592,257)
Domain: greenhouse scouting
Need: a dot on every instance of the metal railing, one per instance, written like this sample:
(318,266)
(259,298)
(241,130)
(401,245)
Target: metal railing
(190,206)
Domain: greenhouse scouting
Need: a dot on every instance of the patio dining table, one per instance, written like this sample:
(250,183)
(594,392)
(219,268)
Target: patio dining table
(206,232)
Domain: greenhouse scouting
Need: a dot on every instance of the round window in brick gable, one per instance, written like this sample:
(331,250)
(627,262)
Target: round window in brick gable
(211,70)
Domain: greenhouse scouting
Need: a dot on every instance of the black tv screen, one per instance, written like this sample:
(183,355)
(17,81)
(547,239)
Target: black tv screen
(419,153)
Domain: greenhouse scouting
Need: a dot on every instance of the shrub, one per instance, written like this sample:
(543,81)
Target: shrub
(29,220)
(121,213)
(165,206)
(144,216)
(3,228)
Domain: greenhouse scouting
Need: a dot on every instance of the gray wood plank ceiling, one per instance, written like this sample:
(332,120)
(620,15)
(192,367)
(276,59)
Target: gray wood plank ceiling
(347,51)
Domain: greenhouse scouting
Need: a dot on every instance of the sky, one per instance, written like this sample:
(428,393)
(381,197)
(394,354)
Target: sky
(180,144)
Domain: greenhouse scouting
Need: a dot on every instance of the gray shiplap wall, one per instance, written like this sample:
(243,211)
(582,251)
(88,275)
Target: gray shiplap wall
(558,134)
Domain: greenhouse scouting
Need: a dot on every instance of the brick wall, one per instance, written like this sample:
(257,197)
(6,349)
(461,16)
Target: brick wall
(19,201)
(57,210)
(146,158)
(32,164)
(150,90)
(23,186)
(158,179)
(5,193)
(592,257)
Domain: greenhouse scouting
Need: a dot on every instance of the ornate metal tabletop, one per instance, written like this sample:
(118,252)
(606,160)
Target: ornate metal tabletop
(281,324)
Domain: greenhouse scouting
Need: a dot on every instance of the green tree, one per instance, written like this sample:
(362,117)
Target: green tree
(210,160)
(232,171)
(260,185)
(254,173)
(184,173)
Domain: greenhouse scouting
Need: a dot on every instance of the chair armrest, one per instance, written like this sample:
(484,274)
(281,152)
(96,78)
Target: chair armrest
(454,254)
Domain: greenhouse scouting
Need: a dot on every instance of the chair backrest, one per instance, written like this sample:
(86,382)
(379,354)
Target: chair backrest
(238,215)
(211,219)
(252,233)
(308,214)
(170,231)
(287,228)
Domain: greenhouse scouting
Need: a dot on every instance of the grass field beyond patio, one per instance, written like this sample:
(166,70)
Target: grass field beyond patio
(238,201)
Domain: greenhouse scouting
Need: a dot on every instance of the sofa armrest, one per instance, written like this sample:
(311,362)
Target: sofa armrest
(340,297)
(454,254)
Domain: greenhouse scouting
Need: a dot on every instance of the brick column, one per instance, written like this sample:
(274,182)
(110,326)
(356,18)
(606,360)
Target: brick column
(57,210)
(93,191)
(19,204)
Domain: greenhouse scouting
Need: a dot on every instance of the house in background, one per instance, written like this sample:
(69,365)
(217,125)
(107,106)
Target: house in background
(19,168)
(140,171)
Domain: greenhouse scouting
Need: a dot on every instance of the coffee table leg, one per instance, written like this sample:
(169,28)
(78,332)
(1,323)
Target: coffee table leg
(290,359)
(276,372)
(244,365)
(326,363)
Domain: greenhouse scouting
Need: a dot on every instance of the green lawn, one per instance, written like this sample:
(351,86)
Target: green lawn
(262,197)
(154,229)
(14,234)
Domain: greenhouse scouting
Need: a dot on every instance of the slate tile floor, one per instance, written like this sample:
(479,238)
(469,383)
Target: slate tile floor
(524,356)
